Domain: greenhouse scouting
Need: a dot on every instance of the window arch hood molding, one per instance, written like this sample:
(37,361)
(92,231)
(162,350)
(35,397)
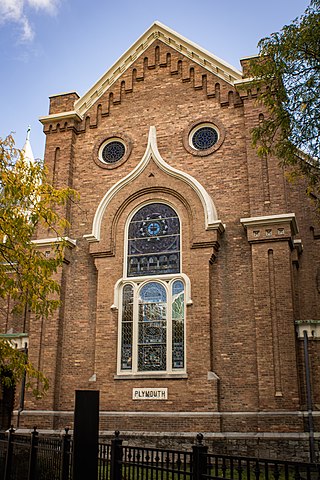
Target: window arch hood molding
(152,153)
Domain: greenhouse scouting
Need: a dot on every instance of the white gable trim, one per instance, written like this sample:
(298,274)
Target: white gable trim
(179,43)
(152,152)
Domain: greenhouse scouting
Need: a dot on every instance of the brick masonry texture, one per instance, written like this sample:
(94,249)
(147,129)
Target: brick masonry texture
(248,285)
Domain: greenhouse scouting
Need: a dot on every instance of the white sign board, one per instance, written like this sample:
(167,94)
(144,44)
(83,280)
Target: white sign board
(150,394)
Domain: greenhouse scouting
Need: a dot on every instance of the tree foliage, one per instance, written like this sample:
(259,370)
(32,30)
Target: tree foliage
(14,365)
(288,74)
(27,202)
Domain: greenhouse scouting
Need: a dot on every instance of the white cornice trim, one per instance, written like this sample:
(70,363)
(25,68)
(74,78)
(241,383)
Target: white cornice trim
(44,242)
(72,114)
(250,57)
(17,340)
(152,152)
(312,327)
(298,245)
(171,38)
(64,93)
(271,220)
(243,81)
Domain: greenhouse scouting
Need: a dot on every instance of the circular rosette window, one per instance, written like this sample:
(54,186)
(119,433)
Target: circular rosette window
(203,138)
(113,152)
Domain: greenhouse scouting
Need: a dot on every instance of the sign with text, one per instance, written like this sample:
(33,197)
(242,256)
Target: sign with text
(150,394)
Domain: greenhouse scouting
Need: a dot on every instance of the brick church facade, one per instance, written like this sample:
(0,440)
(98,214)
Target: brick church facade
(193,266)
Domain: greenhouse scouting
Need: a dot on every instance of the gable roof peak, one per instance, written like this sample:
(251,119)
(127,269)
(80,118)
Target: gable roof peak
(171,38)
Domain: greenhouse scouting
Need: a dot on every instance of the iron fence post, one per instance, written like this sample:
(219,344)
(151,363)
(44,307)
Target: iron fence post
(9,455)
(116,457)
(33,454)
(199,458)
(66,448)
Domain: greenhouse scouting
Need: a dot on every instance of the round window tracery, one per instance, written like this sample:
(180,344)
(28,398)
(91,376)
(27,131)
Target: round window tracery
(204,138)
(113,151)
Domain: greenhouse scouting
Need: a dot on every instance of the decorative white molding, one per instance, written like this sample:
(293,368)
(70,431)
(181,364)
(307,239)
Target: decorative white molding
(298,245)
(61,94)
(157,30)
(244,81)
(43,242)
(150,376)
(312,327)
(17,340)
(171,38)
(271,220)
(71,115)
(152,152)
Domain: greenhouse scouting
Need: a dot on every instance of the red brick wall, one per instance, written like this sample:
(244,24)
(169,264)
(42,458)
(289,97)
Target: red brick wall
(241,322)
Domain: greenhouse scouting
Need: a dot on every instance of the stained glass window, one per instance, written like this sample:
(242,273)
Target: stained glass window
(127,328)
(204,138)
(154,241)
(152,328)
(152,322)
(113,151)
(177,324)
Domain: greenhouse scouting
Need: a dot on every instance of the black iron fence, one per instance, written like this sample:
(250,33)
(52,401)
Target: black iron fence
(35,457)
(31,457)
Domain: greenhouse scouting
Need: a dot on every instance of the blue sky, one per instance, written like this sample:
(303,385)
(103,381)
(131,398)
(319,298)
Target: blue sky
(54,46)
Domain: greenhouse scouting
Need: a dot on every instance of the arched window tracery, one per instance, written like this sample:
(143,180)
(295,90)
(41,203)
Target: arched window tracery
(154,233)
(152,314)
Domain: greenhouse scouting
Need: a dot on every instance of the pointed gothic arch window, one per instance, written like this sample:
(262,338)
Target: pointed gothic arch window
(152,310)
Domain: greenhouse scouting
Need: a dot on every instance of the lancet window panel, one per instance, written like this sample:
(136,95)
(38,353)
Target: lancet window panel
(152,328)
(178,315)
(154,241)
(127,328)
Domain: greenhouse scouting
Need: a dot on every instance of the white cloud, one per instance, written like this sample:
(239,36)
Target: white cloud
(50,6)
(11,10)
(27,32)
(14,11)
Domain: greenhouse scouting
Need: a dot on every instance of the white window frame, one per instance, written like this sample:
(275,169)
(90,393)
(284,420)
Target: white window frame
(166,280)
(137,286)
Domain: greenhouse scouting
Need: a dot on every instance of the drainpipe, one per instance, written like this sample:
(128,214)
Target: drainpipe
(23,388)
(309,398)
